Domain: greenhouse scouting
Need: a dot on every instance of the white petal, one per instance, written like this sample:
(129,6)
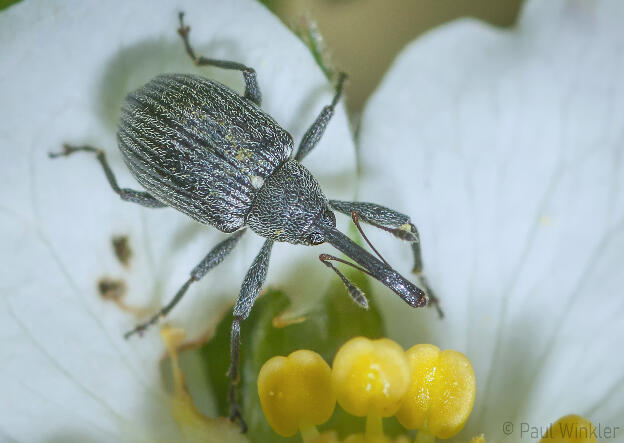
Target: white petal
(506,149)
(64,71)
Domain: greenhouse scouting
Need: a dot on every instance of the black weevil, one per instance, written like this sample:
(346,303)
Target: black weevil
(199,147)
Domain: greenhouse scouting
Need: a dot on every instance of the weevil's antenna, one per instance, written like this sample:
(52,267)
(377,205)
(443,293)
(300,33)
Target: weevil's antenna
(379,270)
(356,293)
(356,221)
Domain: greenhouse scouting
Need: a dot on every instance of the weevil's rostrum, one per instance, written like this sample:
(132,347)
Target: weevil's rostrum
(201,148)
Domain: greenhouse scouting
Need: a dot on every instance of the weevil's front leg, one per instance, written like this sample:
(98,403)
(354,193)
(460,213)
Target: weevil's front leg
(252,90)
(252,284)
(214,257)
(315,132)
(398,225)
(140,197)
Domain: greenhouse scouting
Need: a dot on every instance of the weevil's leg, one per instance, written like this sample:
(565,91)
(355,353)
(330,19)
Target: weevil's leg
(214,257)
(252,284)
(140,197)
(315,132)
(252,91)
(398,225)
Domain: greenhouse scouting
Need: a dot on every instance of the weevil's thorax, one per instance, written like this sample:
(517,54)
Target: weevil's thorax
(289,207)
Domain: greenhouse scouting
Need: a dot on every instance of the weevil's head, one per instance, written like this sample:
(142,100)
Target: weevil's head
(291,207)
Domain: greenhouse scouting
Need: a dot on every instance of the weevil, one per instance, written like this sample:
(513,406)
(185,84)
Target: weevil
(199,147)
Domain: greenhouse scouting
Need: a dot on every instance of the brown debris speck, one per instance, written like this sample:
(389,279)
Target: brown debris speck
(121,247)
(111,288)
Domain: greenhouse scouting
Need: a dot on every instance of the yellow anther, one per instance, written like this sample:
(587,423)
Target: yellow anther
(571,429)
(370,377)
(441,393)
(296,393)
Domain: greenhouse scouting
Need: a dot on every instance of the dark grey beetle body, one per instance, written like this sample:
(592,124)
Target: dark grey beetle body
(199,147)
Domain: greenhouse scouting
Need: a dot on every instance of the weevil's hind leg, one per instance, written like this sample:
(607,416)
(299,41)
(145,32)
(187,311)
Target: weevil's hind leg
(252,284)
(140,197)
(398,225)
(252,90)
(214,257)
(315,132)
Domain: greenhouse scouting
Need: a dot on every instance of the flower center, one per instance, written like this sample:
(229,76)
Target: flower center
(427,389)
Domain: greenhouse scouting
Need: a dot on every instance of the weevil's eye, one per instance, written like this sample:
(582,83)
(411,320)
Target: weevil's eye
(315,238)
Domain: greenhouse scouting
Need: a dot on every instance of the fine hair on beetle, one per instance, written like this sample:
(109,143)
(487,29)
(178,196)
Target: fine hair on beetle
(240,173)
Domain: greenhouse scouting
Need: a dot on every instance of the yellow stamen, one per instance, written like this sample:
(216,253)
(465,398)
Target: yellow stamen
(296,393)
(309,433)
(374,427)
(424,437)
(441,393)
(370,378)
(570,429)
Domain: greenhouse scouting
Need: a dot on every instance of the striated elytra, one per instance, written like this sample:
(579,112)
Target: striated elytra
(199,147)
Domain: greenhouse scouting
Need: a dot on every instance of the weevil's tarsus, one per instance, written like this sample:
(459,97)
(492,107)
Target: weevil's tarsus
(315,132)
(235,415)
(355,293)
(418,270)
(140,197)
(252,90)
(212,259)
(433,299)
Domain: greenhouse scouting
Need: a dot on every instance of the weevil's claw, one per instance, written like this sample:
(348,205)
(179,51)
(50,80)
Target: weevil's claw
(67,150)
(235,413)
(236,417)
(70,149)
(139,329)
(182,30)
(129,334)
(432,299)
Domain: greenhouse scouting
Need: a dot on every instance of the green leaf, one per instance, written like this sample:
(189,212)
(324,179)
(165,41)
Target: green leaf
(6,3)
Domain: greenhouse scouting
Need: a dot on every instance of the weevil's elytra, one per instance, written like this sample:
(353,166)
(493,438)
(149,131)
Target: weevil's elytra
(199,147)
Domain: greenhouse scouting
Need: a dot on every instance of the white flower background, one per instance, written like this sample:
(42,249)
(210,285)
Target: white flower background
(505,147)
(67,372)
